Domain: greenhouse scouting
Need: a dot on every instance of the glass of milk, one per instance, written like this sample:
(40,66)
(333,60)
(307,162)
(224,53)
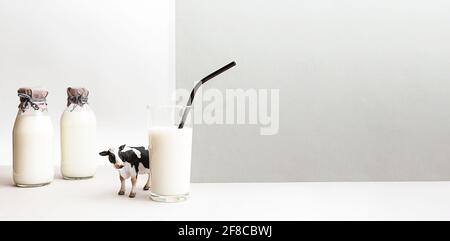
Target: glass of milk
(170,153)
(78,137)
(33,159)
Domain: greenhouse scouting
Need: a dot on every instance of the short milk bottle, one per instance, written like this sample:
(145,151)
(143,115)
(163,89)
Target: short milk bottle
(33,156)
(78,137)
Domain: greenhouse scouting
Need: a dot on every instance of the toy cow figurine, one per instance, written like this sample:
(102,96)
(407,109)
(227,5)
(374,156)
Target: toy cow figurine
(130,161)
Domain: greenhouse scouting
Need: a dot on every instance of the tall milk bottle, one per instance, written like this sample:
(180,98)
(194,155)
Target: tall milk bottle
(78,137)
(33,157)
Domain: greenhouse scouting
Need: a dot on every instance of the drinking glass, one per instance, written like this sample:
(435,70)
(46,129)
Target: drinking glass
(170,152)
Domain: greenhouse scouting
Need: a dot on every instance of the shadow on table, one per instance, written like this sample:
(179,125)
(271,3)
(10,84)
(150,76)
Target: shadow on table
(141,196)
(6,181)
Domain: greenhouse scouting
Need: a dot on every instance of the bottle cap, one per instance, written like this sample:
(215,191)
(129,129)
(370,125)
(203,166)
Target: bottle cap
(33,97)
(78,96)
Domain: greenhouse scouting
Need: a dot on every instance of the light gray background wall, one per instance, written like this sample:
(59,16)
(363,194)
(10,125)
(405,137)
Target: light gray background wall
(365,87)
(364,84)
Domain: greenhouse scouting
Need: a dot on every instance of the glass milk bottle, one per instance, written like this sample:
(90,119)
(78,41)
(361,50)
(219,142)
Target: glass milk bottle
(78,137)
(33,140)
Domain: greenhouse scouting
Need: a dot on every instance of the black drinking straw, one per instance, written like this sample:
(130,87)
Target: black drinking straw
(197,86)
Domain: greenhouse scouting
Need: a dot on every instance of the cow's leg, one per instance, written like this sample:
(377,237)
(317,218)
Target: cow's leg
(122,186)
(133,188)
(149,181)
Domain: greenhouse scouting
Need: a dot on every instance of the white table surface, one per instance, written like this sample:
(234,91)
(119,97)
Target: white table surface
(97,199)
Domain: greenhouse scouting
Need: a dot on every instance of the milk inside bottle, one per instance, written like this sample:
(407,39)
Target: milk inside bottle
(78,136)
(170,154)
(33,156)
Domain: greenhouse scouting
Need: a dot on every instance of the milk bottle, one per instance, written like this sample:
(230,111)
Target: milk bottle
(33,140)
(78,136)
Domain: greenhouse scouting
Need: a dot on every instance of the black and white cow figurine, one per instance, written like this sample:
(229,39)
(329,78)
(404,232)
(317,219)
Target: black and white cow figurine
(130,161)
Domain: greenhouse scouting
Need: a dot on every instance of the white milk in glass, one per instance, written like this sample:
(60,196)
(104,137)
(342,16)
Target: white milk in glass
(78,137)
(170,154)
(33,156)
(171,150)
